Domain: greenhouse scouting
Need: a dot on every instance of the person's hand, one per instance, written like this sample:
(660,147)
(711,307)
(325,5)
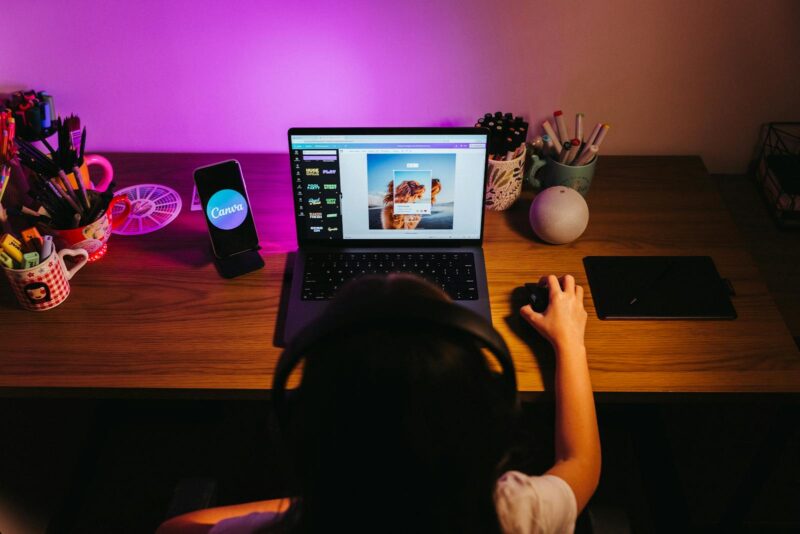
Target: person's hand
(564,321)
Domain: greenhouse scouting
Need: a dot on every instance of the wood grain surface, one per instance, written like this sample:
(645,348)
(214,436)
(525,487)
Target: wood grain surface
(154,316)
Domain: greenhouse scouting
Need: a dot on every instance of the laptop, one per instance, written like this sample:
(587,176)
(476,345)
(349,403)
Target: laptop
(385,200)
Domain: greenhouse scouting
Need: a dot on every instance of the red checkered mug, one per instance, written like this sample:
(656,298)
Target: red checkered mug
(46,285)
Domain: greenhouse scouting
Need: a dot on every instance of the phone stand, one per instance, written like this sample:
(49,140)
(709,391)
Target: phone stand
(239,264)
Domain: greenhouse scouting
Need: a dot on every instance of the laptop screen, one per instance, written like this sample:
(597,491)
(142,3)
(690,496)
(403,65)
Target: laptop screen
(388,186)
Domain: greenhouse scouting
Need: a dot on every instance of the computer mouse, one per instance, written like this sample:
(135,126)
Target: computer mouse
(538,296)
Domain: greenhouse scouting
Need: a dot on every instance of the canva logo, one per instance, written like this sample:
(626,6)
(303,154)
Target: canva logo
(226,209)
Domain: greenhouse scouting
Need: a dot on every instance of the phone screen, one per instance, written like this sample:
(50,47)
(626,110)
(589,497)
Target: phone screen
(226,208)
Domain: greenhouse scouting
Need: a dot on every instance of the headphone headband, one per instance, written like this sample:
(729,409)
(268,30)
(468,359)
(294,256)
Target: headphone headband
(437,312)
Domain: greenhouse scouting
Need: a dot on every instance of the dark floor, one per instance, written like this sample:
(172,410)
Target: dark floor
(111,466)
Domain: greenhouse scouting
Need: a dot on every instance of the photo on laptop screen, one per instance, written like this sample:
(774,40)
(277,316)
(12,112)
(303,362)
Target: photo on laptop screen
(411,191)
(412,196)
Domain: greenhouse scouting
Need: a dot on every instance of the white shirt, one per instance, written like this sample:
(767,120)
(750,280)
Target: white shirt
(525,505)
(534,505)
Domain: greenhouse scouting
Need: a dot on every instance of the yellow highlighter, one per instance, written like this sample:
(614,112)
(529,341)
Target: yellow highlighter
(12,247)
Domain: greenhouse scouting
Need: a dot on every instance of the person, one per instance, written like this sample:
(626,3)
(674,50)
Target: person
(399,428)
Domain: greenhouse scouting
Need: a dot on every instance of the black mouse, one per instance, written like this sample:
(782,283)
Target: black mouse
(538,297)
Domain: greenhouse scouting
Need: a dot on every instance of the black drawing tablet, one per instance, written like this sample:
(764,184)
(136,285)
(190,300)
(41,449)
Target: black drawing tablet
(658,287)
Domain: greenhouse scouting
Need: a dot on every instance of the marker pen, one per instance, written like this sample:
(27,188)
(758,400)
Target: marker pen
(579,126)
(12,247)
(573,151)
(587,155)
(48,99)
(562,126)
(30,259)
(47,247)
(6,260)
(592,137)
(46,118)
(562,157)
(601,135)
(32,239)
(591,140)
(548,129)
(510,148)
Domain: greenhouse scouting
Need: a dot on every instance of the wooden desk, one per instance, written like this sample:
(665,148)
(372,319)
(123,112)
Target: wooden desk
(153,317)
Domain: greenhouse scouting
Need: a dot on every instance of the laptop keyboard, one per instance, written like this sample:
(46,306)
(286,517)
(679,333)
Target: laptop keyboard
(326,272)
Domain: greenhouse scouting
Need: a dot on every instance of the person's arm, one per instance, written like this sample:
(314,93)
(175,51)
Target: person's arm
(577,438)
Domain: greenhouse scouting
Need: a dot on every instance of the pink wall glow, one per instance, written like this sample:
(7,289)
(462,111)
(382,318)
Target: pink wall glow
(678,77)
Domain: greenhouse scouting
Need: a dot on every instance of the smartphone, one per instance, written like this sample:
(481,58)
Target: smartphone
(226,207)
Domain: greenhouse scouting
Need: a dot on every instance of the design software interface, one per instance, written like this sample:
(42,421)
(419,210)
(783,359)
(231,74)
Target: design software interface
(388,186)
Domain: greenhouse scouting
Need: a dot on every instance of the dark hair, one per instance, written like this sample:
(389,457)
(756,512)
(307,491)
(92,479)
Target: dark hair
(399,427)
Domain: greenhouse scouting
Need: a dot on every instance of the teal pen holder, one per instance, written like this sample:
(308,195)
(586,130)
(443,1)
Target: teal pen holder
(552,173)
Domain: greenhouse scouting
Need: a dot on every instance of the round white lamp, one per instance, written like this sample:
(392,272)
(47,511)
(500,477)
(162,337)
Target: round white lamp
(559,215)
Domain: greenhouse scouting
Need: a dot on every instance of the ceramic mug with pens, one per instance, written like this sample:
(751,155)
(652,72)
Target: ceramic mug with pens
(46,285)
(504,183)
(93,237)
(552,173)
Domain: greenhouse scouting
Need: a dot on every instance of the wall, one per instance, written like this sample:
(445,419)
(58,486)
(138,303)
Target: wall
(678,77)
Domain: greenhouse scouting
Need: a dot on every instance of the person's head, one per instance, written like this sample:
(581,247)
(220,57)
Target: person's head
(401,421)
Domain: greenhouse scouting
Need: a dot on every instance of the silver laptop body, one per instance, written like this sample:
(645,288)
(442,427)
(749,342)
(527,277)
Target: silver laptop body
(378,200)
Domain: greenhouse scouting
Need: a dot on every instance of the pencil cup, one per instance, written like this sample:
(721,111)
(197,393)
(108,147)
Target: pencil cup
(93,237)
(505,182)
(46,286)
(554,173)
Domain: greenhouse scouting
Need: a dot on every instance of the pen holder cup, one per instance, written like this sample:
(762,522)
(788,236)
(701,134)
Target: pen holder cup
(46,285)
(93,237)
(553,173)
(505,182)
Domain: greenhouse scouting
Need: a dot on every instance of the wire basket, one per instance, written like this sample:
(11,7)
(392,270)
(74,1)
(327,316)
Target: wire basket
(778,171)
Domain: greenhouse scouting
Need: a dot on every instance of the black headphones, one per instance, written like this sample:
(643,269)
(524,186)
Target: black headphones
(347,319)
